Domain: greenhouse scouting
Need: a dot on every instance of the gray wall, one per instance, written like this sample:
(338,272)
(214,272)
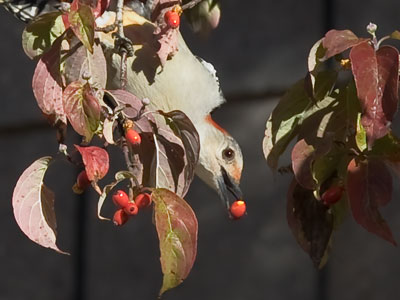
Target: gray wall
(260,48)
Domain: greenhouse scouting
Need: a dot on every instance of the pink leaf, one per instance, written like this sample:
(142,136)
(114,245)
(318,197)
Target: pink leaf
(302,158)
(132,106)
(168,40)
(96,161)
(81,63)
(82,109)
(369,185)
(33,205)
(46,85)
(176,226)
(304,154)
(376,76)
(337,41)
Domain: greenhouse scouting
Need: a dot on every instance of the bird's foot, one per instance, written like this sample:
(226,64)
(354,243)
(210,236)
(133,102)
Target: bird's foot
(123,45)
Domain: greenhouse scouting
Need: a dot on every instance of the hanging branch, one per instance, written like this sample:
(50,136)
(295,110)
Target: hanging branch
(125,49)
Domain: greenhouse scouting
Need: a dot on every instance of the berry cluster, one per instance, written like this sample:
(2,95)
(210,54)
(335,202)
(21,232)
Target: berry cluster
(128,208)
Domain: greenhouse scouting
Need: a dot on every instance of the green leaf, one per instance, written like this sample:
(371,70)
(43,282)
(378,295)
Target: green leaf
(203,17)
(387,147)
(325,166)
(176,226)
(324,84)
(317,52)
(39,35)
(340,211)
(284,124)
(82,24)
(361,135)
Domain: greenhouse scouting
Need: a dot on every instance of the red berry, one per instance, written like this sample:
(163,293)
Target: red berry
(143,200)
(172,19)
(131,209)
(133,137)
(332,195)
(238,209)
(120,217)
(82,181)
(120,198)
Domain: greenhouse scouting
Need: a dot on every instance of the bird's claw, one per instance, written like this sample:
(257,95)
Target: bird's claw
(123,45)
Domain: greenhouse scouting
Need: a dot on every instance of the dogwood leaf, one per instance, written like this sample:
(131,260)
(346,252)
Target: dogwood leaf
(176,226)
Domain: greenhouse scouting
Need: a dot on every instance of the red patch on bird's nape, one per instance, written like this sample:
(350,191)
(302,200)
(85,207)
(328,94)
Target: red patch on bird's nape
(213,123)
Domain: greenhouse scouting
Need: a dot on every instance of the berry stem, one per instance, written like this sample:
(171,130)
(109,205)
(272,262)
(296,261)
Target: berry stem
(191,4)
(129,160)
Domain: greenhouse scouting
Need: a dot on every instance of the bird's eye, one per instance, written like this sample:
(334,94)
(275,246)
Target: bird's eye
(228,154)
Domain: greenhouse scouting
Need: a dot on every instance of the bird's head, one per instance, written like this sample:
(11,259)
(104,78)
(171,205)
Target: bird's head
(221,161)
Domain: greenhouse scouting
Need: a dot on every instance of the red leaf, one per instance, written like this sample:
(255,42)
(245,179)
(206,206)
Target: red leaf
(33,205)
(369,185)
(96,161)
(46,85)
(65,21)
(388,69)
(100,8)
(337,41)
(176,226)
(376,76)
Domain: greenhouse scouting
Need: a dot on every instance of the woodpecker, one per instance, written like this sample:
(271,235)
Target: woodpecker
(185,83)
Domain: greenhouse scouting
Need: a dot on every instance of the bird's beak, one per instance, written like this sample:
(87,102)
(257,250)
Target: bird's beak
(228,189)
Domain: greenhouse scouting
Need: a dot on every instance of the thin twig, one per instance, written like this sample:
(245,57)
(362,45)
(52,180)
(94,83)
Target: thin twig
(191,4)
(119,18)
(106,29)
(157,157)
(123,74)
(124,53)
(128,160)
(120,32)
